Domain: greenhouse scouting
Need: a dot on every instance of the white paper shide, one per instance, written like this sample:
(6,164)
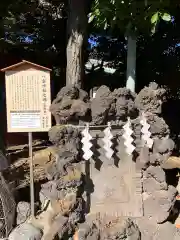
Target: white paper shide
(86,141)
(107,142)
(128,140)
(145,133)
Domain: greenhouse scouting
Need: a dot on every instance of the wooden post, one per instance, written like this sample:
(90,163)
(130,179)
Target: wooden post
(31,173)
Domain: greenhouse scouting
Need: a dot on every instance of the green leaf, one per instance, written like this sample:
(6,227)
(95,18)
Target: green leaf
(90,17)
(97,12)
(153,29)
(105,25)
(155,18)
(166,17)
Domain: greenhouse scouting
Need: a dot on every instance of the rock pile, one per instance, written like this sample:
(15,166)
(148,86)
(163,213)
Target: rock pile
(64,190)
(65,179)
(112,107)
(71,105)
(103,228)
(158,197)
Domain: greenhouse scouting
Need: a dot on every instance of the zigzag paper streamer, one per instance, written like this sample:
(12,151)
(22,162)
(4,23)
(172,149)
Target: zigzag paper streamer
(146,134)
(127,137)
(107,142)
(86,143)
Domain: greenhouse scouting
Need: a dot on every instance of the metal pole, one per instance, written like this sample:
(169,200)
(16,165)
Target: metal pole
(31,173)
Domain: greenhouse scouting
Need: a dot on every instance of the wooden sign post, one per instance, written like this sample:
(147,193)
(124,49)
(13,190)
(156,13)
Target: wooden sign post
(27,104)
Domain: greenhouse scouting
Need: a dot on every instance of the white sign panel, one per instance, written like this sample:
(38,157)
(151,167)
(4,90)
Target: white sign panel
(23,120)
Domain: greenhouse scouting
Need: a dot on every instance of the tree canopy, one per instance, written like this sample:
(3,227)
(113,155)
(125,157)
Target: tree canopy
(36,29)
(137,14)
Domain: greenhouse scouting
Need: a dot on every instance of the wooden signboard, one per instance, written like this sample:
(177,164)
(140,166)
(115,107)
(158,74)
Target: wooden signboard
(28,97)
(28,100)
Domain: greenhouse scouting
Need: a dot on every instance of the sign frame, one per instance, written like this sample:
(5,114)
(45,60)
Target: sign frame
(28,94)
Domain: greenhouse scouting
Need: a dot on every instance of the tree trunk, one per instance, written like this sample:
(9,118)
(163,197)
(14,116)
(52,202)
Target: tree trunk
(131,62)
(76,30)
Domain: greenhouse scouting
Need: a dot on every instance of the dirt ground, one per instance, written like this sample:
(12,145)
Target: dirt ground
(18,171)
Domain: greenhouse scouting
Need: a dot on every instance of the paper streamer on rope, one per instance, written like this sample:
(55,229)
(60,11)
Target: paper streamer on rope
(127,137)
(107,142)
(146,134)
(86,143)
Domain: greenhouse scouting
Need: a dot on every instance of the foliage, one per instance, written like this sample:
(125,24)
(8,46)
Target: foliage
(32,30)
(110,49)
(139,14)
(32,18)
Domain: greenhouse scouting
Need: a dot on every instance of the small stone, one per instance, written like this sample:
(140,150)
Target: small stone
(159,204)
(153,231)
(150,98)
(153,210)
(159,128)
(52,173)
(25,232)
(23,212)
(157,173)
(156,159)
(60,226)
(65,159)
(163,146)
(124,104)
(108,227)
(49,191)
(70,104)
(101,105)
(150,185)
